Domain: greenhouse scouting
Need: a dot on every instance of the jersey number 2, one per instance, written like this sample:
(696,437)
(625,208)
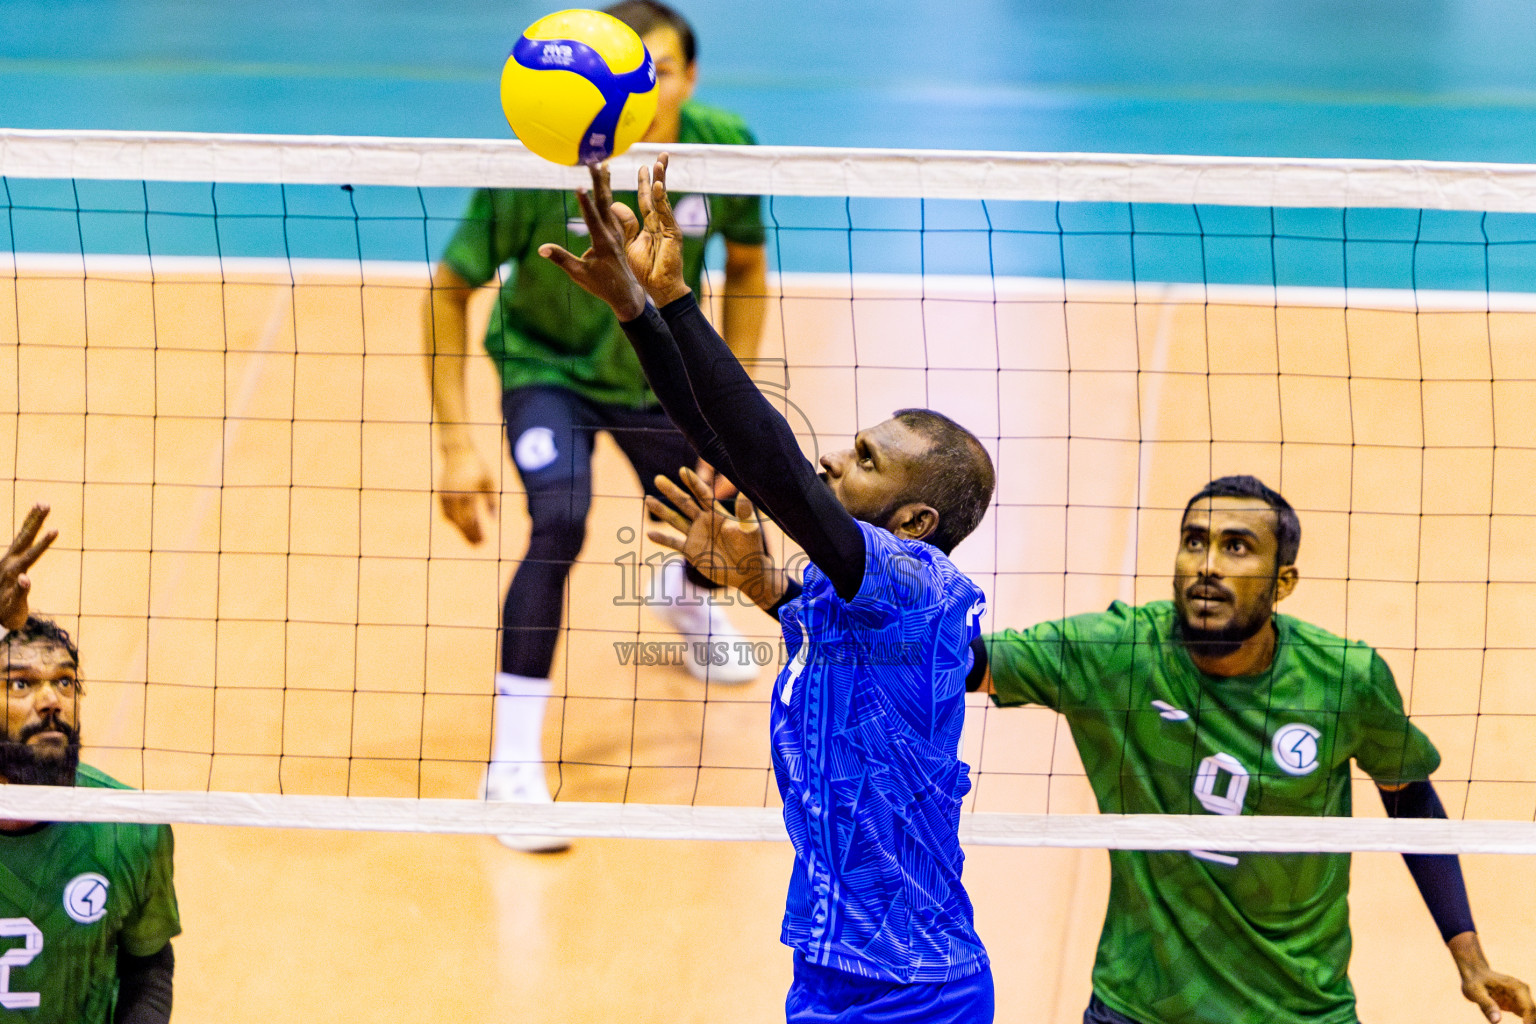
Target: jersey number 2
(20,956)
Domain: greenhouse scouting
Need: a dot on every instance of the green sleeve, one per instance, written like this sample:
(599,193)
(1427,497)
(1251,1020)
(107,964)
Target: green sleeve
(738,219)
(1053,663)
(155,919)
(1390,748)
(490,233)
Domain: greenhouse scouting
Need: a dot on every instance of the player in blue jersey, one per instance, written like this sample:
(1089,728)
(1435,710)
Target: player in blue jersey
(866,718)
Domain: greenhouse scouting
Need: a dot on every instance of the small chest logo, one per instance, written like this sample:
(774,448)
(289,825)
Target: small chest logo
(1295,748)
(692,215)
(85,898)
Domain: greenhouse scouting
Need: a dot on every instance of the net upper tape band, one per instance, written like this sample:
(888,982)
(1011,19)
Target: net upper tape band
(777,170)
(1241,834)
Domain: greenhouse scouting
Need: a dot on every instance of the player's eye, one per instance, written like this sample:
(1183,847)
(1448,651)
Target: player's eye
(20,685)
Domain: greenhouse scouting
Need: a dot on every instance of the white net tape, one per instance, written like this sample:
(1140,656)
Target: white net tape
(778,170)
(1245,834)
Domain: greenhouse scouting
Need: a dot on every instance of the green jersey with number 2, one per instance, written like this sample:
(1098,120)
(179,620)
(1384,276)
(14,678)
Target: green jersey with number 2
(71,895)
(1207,937)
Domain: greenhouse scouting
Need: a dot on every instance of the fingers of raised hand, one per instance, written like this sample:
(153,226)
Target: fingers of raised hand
(643,191)
(29,527)
(659,198)
(33,553)
(596,217)
(675,541)
(679,497)
(666,513)
(745,510)
(602,186)
(703,492)
(560,258)
(627,221)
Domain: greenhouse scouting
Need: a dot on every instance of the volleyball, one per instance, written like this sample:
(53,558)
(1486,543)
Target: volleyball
(579,87)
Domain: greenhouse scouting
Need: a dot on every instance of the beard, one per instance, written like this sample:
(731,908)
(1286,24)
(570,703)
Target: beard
(1218,643)
(24,765)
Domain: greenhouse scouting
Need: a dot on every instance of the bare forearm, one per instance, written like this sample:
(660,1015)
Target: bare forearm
(745,300)
(768,590)
(445,344)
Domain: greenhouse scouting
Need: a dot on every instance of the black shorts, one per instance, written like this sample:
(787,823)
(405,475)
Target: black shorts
(551,431)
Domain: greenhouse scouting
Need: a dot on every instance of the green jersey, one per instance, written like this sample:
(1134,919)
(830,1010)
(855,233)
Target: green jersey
(72,894)
(1207,937)
(544,330)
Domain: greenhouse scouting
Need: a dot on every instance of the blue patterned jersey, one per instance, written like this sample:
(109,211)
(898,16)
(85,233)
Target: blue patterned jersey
(866,721)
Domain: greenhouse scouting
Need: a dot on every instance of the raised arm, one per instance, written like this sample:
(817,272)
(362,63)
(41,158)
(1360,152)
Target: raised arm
(700,384)
(25,549)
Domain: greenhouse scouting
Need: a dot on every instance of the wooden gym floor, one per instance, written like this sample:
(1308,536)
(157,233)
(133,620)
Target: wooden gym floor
(266,598)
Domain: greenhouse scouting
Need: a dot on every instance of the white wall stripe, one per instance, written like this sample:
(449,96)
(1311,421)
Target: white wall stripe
(956,287)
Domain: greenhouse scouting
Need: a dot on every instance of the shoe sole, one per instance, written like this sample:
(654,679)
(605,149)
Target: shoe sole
(534,844)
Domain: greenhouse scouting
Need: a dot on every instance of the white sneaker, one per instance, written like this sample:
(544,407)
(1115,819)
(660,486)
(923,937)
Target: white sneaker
(706,628)
(522,783)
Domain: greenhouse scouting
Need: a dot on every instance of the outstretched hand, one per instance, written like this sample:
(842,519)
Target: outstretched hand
(656,251)
(25,550)
(604,269)
(651,245)
(728,549)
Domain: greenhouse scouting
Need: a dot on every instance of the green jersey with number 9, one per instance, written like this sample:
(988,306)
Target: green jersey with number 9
(72,894)
(1205,936)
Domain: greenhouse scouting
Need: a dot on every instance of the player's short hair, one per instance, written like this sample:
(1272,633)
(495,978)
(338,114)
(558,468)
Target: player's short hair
(647,15)
(41,630)
(957,476)
(1287,526)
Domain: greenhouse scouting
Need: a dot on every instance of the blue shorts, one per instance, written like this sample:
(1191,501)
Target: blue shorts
(821,995)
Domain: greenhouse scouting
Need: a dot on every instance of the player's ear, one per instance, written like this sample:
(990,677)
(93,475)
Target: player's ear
(1286,578)
(914,521)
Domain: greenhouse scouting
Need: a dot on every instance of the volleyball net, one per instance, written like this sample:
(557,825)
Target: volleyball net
(215,344)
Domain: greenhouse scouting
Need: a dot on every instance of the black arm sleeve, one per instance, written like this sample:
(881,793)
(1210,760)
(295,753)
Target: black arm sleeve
(979,665)
(792,590)
(144,987)
(705,391)
(1438,875)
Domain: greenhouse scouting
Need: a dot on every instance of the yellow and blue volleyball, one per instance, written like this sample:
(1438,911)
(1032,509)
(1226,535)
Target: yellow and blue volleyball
(579,87)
